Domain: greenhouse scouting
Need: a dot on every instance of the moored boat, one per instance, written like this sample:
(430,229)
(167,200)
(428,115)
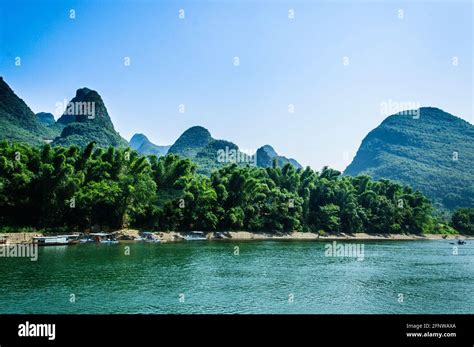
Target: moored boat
(104,238)
(59,240)
(195,236)
(109,242)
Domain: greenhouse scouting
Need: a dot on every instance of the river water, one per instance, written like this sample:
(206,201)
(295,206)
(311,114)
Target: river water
(241,277)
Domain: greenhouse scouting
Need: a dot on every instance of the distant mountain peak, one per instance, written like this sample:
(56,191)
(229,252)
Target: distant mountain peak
(423,113)
(190,141)
(266,155)
(86,119)
(87,105)
(137,140)
(196,143)
(197,130)
(45,118)
(84,91)
(143,145)
(269,150)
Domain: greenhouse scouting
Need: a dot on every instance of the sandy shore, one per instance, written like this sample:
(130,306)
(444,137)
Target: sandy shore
(19,237)
(125,234)
(245,235)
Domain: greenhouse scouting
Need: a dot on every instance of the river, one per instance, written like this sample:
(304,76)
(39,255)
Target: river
(240,277)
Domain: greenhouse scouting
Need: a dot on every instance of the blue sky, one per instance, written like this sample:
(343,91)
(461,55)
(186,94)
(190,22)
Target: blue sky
(283,62)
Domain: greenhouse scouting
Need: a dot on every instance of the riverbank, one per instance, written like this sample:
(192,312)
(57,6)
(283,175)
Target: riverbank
(130,234)
(245,235)
(248,236)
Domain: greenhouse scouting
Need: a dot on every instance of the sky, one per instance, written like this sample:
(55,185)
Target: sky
(310,78)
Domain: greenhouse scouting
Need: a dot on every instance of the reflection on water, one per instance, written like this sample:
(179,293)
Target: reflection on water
(55,249)
(210,278)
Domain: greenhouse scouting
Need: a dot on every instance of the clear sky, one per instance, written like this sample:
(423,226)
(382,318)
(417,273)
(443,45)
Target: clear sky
(335,62)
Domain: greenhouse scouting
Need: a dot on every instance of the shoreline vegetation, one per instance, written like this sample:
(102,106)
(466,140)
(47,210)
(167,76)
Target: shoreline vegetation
(173,236)
(67,190)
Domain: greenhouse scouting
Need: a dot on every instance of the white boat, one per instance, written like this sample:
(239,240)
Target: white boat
(59,240)
(195,236)
(103,238)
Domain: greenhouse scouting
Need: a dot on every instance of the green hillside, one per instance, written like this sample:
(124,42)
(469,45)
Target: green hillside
(17,120)
(209,154)
(433,153)
(86,119)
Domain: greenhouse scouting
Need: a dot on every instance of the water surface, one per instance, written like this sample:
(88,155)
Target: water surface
(266,277)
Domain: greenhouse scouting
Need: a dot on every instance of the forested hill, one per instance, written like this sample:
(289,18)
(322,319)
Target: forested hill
(432,152)
(197,144)
(17,120)
(85,119)
(88,120)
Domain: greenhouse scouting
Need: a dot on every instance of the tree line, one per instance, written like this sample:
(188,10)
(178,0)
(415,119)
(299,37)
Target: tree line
(76,189)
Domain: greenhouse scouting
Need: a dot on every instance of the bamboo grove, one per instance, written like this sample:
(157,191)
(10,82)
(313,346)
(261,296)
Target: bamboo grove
(76,189)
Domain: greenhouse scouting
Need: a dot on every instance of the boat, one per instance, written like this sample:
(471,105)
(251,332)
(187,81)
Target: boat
(150,237)
(59,240)
(219,235)
(104,238)
(109,242)
(195,236)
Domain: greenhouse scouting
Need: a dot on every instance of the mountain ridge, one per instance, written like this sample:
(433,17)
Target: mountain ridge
(17,121)
(196,143)
(143,145)
(86,119)
(433,153)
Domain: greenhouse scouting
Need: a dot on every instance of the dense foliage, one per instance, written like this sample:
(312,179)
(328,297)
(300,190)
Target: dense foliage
(432,152)
(79,188)
(463,220)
